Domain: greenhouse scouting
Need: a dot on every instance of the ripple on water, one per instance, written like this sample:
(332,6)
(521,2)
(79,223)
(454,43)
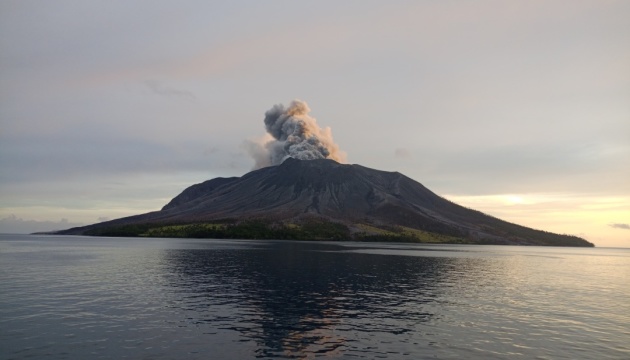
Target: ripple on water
(124,298)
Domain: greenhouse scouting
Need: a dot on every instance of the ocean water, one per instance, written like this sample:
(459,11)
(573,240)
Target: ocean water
(123,298)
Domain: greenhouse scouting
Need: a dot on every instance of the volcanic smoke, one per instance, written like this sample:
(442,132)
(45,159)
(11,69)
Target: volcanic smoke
(293,133)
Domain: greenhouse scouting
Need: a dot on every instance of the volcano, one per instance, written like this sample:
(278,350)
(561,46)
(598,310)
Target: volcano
(322,199)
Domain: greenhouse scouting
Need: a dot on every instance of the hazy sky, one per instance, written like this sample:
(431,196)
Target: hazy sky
(520,109)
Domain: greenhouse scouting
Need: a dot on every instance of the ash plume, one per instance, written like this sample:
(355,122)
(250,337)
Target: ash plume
(292,133)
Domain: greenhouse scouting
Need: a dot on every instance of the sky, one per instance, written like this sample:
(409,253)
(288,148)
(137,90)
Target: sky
(519,109)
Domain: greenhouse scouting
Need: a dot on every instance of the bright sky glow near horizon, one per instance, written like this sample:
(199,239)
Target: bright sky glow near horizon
(519,109)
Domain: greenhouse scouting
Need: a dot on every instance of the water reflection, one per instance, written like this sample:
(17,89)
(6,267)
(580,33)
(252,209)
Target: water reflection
(164,299)
(301,299)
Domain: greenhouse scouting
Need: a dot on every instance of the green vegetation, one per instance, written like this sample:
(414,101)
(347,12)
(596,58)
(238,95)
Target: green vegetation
(312,229)
(303,229)
(119,231)
(404,234)
(322,229)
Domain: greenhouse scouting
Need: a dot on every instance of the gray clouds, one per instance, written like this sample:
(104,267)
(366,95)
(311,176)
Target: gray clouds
(40,159)
(15,225)
(163,90)
(487,98)
(402,153)
(491,168)
(620,226)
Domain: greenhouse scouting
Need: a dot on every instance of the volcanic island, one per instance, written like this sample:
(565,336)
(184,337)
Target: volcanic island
(322,199)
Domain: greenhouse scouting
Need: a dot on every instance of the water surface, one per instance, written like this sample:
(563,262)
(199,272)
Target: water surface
(85,297)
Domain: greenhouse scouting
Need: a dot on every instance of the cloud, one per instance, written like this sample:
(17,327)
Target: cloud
(402,153)
(620,226)
(255,148)
(15,225)
(159,89)
(98,153)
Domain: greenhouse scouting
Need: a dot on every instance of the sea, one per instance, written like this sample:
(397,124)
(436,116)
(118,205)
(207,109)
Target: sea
(71,297)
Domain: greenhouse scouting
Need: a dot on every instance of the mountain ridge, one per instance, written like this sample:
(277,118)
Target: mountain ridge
(368,202)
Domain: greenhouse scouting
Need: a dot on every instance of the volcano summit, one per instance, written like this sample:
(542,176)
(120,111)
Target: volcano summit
(322,199)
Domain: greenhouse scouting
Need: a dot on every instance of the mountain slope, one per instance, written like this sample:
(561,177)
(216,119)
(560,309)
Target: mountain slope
(366,201)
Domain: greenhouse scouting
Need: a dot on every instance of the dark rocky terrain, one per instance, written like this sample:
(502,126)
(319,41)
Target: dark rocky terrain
(367,203)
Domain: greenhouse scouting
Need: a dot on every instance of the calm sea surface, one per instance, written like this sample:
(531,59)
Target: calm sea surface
(116,298)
